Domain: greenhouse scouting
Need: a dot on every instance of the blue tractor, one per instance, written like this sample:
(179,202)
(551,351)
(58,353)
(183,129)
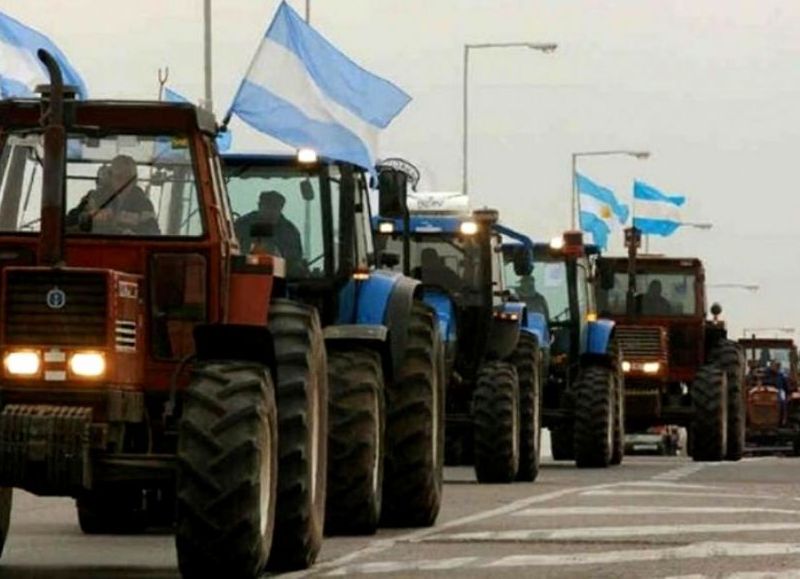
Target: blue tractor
(583,394)
(385,430)
(493,346)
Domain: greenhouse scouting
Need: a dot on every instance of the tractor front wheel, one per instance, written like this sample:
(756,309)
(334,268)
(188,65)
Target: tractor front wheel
(227,471)
(5,515)
(527,360)
(496,423)
(413,475)
(710,425)
(355,442)
(302,397)
(729,356)
(594,417)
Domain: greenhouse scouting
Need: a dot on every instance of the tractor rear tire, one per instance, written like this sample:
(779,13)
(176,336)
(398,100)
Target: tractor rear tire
(562,442)
(496,423)
(594,417)
(710,424)
(227,471)
(302,397)
(5,515)
(355,442)
(527,360)
(414,469)
(729,356)
(111,511)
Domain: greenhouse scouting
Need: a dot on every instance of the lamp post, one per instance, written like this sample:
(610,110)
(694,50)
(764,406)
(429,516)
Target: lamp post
(545,47)
(208,104)
(704,226)
(610,153)
(751,287)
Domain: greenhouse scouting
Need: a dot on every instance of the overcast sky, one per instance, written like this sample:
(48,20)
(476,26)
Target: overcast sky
(711,88)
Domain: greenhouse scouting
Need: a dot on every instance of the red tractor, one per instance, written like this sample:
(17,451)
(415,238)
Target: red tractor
(141,350)
(773,399)
(680,367)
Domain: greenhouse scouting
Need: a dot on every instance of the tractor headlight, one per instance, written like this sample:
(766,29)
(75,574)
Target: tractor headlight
(469,228)
(22,363)
(385,227)
(626,366)
(651,367)
(557,243)
(87,364)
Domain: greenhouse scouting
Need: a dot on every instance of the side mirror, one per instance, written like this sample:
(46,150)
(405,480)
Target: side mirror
(392,189)
(606,273)
(307,190)
(716,309)
(390,260)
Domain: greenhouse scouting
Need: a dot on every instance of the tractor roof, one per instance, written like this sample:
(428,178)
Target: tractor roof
(773,343)
(267,159)
(657,262)
(119,115)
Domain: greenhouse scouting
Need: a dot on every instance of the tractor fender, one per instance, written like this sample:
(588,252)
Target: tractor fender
(443,305)
(235,342)
(504,330)
(536,325)
(398,315)
(599,334)
(372,336)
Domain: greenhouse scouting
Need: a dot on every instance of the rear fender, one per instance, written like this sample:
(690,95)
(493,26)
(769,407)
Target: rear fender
(443,305)
(598,341)
(536,325)
(238,342)
(504,330)
(374,337)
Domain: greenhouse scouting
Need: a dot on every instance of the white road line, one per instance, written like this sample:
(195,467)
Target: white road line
(645,510)
(586,533)
(676,493)
(668,485)
(694,551)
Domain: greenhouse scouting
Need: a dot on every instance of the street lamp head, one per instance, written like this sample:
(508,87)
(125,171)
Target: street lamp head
(642,155)
(545,47)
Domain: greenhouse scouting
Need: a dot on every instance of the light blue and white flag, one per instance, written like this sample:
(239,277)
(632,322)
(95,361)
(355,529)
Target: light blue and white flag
(303,91)
(600,210)
(223,139)
(655,213)
(20,68)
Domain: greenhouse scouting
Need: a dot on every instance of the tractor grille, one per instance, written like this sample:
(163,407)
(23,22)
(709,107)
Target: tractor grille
(640,342)
(684,346)
(80,321)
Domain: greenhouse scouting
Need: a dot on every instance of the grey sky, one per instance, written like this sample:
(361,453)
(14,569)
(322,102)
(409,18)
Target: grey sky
(710,87)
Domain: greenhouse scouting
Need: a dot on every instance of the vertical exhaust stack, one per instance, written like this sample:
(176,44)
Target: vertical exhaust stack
(51,242)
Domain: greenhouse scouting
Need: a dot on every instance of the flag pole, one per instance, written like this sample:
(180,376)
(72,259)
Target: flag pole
(208,104)
(308,11)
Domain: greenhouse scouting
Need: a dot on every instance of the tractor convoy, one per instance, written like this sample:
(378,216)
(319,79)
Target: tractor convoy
(237,348)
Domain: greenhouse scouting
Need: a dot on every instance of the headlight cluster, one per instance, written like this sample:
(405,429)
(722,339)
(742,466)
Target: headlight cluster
(28,363)
(646,367)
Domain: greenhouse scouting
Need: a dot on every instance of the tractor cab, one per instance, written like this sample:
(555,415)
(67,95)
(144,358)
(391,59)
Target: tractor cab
(768,358)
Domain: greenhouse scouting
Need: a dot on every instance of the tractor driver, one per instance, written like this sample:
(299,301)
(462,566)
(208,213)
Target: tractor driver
(285,237)
(434,271)
(535,301)
(653,302)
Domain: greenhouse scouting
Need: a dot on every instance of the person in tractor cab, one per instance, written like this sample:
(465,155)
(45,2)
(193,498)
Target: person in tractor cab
(93,200)
(535,301)
(285,238)
(433,271)
(777,378)
(653,302)
(124,209)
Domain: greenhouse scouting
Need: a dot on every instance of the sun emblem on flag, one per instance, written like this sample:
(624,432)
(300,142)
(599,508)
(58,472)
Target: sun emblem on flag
(605,212)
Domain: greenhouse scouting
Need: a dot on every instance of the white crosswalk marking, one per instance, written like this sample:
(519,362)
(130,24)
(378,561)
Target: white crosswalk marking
(645,510)
(583,533)
(676,493)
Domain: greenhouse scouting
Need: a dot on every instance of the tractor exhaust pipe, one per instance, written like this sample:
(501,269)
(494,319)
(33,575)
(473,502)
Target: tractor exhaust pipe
(51,244)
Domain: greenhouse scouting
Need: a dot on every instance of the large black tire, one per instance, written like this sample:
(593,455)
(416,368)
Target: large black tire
(730,358)
(562,442)
(302,397)
(117,511)
(618,448)
(227,471)
(355,442)
(5,515)
(413,472)
(594,417)
(710,424)
(527,361)
(496,423)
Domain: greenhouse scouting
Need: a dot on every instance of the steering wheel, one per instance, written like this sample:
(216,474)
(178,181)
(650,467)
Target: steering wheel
(564,312)
(315,260)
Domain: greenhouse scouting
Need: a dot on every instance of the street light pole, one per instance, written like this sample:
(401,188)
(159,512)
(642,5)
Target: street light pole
(543,47)
(208,104)
(308,11)
(609,153)
(752,287)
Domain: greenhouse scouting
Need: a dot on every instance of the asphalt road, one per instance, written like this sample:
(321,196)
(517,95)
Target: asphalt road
(651,517)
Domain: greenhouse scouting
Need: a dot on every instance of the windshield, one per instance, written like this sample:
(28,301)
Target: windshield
(546,291)
(292,204)
(131,185)
(447,261)
(657,294)
(761,357)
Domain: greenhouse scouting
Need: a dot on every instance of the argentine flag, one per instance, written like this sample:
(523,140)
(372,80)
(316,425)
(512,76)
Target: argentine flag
(599,209)
(301,90)
(655,213)
(20,68)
